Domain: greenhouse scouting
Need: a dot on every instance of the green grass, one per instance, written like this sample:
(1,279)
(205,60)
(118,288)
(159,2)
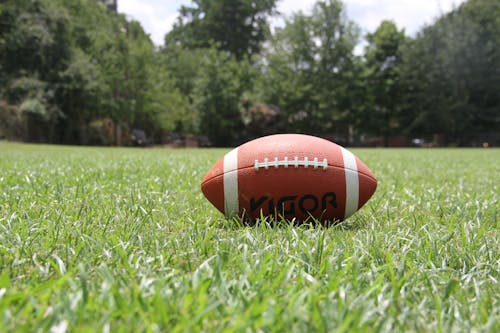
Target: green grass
(122,240)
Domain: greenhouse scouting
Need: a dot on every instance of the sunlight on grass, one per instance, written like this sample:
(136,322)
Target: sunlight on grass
(103,239)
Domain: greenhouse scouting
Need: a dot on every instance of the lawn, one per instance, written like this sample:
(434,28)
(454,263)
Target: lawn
(122,240)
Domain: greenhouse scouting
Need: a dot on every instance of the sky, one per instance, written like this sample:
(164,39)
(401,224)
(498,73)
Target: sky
(158,16)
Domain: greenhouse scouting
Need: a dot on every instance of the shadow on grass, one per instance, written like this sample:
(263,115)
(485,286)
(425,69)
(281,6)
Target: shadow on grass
(272,222)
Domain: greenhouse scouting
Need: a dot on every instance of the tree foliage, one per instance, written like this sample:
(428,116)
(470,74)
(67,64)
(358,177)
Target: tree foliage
(450,70)
(223,74)
(238,27)
(67,62)
(218,96)
(310,69)
(34,48)
(383,78)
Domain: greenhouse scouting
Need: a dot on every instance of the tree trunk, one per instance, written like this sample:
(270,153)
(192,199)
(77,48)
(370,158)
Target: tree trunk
(118,133)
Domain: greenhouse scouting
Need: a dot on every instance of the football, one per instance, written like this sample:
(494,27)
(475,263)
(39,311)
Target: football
(291,176)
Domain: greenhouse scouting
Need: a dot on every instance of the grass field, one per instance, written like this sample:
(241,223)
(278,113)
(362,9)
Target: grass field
(122,240)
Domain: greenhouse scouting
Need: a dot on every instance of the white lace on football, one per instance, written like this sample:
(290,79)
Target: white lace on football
(295,163)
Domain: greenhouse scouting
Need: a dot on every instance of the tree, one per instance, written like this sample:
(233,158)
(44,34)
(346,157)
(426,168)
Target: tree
(106,71)
(33,45)
(114,73)
(66,63)
(308,70)
(448,68)
(336,37)
(384,87)
(238,27)
(217,97)
(167,108)
(183,65)
(287,70)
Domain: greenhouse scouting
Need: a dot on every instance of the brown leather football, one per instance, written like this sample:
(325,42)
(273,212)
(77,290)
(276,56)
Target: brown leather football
(292,176)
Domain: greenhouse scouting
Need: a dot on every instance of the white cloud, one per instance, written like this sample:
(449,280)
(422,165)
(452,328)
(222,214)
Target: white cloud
(287,7)
(409,14)
(158,16)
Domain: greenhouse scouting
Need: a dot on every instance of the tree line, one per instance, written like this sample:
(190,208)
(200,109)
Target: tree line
(71,72)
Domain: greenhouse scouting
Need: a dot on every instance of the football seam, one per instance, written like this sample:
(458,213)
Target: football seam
(253,167)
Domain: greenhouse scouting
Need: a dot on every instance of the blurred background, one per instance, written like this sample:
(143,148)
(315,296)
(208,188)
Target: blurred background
(221,72)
